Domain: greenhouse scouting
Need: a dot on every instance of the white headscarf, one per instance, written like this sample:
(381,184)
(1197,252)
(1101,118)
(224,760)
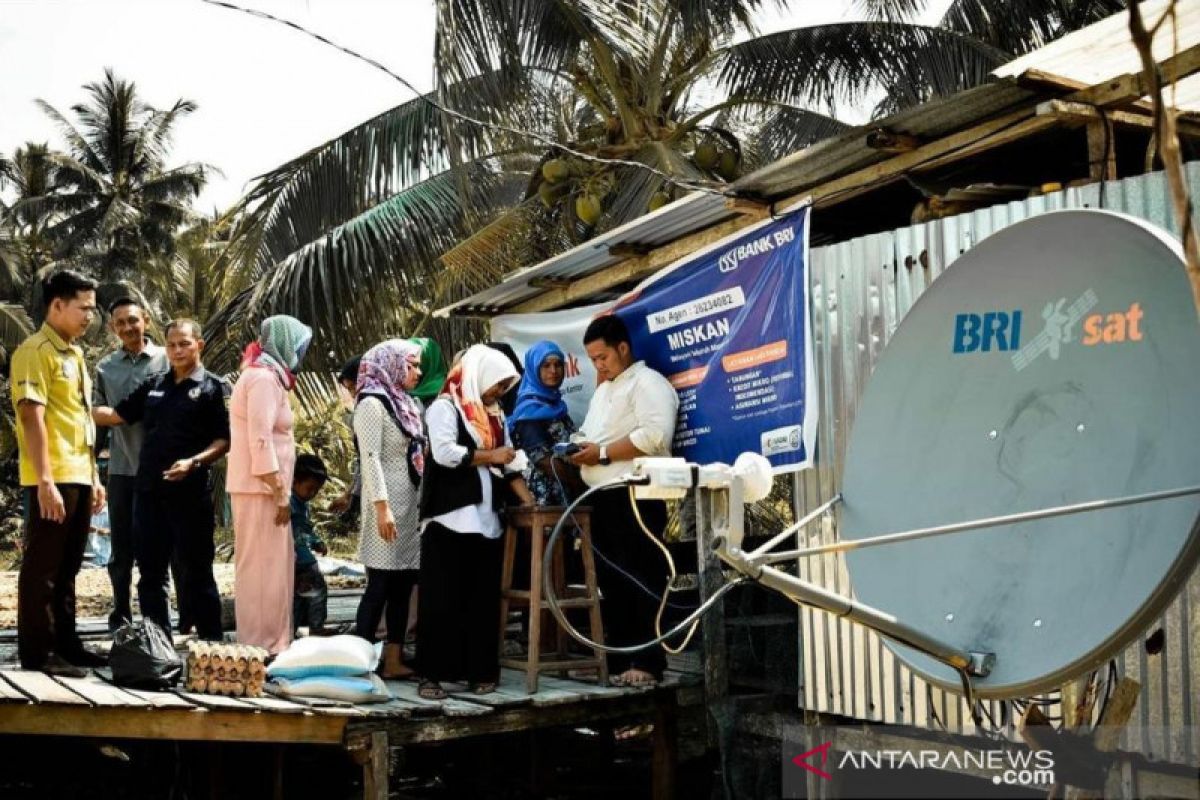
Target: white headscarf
(480,369)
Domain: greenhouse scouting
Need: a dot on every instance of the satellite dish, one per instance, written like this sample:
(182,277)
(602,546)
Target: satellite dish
(1056,362)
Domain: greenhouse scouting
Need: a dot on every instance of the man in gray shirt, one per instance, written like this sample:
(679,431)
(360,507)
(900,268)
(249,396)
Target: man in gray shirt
(117,375)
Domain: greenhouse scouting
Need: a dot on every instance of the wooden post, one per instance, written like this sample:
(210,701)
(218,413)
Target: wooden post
(712,625)
(1102,150)
(666,751)
(370,750)
(537,543)
(1108,735)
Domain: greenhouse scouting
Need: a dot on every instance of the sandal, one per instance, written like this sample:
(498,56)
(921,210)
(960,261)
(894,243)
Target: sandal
(430,690)
(634,678)
(483,687)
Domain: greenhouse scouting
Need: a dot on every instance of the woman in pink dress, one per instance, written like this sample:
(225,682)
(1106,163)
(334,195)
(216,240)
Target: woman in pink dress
(262,454)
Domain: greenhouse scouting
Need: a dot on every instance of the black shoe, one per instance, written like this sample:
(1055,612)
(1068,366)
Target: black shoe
(115,622)
(57,665)
(83,657)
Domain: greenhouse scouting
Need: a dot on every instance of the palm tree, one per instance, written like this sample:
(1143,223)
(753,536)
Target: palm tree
(112,205)
(24,246)
(573,117)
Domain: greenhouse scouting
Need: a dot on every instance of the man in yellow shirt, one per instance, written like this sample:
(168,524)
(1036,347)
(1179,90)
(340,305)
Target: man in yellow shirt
(51,393)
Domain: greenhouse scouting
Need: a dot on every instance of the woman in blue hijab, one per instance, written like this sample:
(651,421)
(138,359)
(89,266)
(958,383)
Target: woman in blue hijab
(540,420)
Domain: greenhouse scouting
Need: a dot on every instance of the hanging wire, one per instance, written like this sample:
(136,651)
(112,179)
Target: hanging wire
(577,531)
(542,139)
(558,613)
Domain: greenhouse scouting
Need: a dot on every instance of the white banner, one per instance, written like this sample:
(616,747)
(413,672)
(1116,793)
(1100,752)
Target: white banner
(565,329)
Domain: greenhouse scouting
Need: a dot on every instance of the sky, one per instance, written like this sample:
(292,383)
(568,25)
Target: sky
(265,92)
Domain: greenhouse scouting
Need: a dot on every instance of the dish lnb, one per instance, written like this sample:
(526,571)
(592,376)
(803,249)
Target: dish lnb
(671,478)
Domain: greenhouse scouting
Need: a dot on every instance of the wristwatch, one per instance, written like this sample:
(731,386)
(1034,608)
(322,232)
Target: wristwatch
(604,459)
(194,464)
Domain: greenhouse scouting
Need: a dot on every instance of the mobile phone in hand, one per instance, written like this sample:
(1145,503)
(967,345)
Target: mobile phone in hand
(564,449)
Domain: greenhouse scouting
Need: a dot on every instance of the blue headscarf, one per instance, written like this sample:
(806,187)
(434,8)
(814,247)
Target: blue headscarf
(536,400)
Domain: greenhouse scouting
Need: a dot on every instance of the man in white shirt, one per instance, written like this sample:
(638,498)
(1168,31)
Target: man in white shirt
(632,414)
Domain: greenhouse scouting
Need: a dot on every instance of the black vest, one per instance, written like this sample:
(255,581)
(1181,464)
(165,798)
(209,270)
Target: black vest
(445,489)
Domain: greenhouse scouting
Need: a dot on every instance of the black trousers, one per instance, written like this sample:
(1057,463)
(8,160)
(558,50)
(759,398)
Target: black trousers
(120,564)
(46,583)
(388,589)
(458,629)
(628,610)
(122,495)
(175,521)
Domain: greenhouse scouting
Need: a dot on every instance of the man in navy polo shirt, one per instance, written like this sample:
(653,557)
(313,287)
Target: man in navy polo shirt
(187,429)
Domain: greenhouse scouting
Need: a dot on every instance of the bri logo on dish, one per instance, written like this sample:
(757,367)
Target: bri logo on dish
(987,331)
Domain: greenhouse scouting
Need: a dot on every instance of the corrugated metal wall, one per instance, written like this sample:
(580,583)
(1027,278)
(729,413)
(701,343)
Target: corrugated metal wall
(861,289)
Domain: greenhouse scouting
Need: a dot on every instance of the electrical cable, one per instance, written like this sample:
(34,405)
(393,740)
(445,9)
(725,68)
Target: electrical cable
(612,564)
(537,137)
(671,576)
(557,612)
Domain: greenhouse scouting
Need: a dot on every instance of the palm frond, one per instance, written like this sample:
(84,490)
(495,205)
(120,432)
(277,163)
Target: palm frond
(378,269)
(77,144)
(1019,26)
(890,10)
(499,37)
(717,19)
(184,182)
(15,325)
(8,171)
(843,62)
(523,234)
(785,129)
(304,198)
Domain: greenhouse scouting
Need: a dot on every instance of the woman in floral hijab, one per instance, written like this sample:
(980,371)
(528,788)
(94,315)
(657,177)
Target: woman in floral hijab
(390,435)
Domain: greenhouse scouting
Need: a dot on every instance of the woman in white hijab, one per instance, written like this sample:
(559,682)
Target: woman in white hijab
(471,468)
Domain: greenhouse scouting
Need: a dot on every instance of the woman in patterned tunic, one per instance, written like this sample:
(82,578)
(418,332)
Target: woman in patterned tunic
(541,420)
(391,441)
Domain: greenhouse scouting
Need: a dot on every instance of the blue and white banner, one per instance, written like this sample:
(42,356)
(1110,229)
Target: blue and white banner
(729,327)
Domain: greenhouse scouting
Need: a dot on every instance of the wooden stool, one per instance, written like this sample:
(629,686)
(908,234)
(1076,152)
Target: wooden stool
(538,522)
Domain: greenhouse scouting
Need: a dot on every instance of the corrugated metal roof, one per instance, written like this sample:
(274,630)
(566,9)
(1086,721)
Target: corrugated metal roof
(688,214)
(849,151)
(1104,50)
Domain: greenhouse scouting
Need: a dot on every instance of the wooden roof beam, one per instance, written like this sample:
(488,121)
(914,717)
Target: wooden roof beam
(1133,86)
(955,147)
(636,268)
(1083,113)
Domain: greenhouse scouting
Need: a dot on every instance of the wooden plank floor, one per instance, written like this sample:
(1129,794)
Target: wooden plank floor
(36,703)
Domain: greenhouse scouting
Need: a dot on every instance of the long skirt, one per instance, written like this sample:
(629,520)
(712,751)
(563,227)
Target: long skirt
(458,628)
(264,573)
